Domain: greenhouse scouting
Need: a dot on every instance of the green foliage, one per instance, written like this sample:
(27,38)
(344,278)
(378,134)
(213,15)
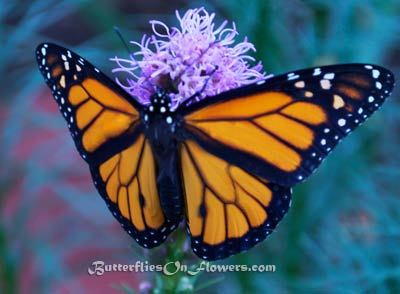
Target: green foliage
(342,233)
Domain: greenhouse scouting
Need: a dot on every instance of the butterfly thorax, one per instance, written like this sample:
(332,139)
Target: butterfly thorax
(160,129)
(159,121)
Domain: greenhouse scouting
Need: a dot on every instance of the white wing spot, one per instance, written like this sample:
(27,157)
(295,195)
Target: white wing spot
(378,85)
(341,122)
(260,82)
(63,57)
(325,84)
(317,71)
(163,109)
(371,99)
(326,130)
(368,66)
(169,120)
(338,101)
(43,50)
(62,81)
(323,142)
(360,110)
(329,76)
(375,73)
(309,94)
(66,65)
(299,84)
(293,77)
(69,54)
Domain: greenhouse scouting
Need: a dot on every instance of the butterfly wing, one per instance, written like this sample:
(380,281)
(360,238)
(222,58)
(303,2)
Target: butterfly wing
(105,124)
(228,209)
(282,128)
(128,183)
(243,147)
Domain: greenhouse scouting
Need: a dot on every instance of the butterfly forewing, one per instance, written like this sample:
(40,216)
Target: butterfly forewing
(282,128)
(102,118)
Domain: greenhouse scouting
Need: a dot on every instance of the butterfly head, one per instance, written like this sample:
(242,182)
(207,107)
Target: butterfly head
(160,108)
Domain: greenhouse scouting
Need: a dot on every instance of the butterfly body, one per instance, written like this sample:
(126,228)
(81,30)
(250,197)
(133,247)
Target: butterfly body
(225,164)
(160,128)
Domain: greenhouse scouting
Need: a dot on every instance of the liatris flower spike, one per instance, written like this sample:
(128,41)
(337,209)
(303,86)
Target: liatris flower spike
(187,59)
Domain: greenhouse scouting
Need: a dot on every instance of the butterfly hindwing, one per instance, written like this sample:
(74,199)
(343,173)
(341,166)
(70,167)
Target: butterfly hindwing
(128,183)
(282,128)
(228,209)
(107,129)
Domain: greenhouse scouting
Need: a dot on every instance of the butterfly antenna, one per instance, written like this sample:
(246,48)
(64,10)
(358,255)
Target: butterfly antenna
(125,43)
(118,32)
(198,93)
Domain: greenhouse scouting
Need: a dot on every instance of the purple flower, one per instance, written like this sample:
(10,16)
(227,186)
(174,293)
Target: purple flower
(197,57)
(145,287)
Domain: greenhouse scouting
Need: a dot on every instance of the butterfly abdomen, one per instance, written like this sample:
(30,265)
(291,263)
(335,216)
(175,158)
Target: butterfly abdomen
(170,193)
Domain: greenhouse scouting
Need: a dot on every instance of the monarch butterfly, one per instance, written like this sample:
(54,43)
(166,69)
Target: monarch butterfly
(225,164)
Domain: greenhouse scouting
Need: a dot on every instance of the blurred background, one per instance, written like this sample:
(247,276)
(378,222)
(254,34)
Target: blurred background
(342,233)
